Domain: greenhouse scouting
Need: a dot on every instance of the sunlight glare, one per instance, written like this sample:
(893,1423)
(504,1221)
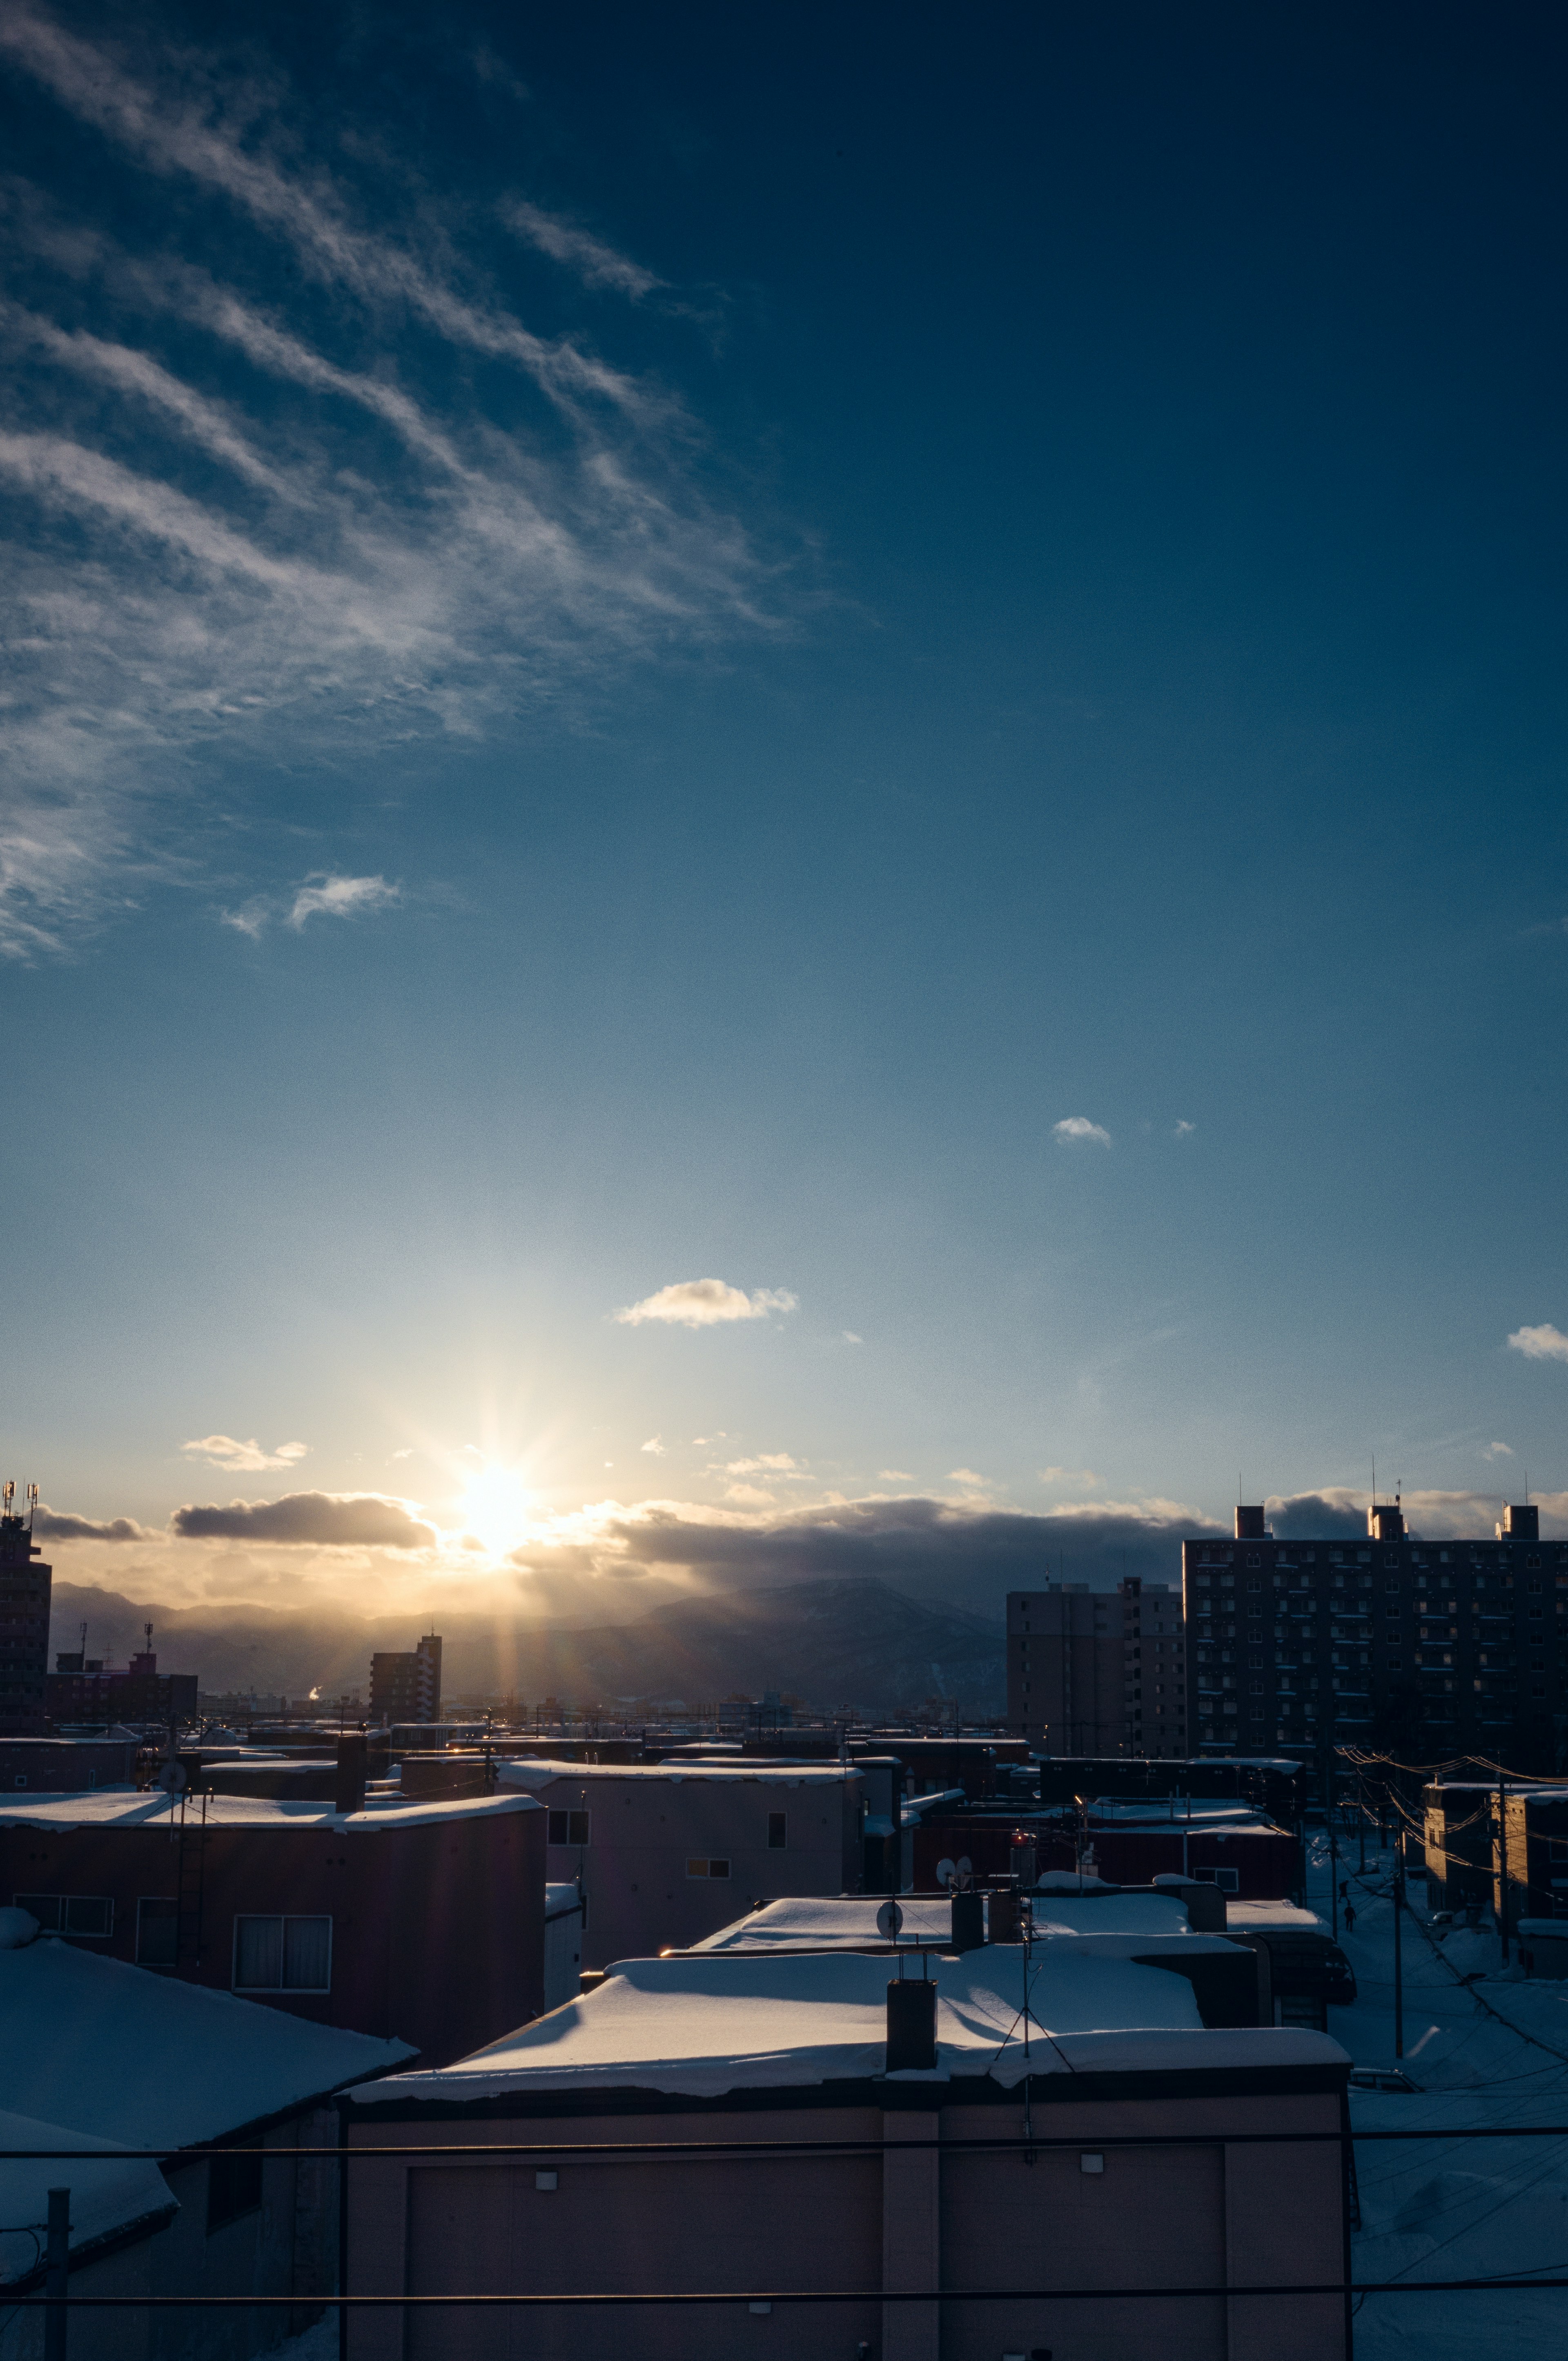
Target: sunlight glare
(496,1506)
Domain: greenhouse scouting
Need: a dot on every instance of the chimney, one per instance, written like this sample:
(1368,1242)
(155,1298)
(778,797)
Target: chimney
(911,2026)
(349,1794)
(1521,1524)
(1250,1526)
(969,1922)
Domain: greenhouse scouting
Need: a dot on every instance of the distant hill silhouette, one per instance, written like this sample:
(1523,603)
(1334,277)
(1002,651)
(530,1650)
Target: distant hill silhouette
(832,1642)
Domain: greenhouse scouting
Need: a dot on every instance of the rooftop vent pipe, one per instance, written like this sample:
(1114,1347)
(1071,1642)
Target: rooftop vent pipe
(352,1753)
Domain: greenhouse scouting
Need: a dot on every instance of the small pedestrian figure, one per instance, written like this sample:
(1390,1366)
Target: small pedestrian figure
(1349,1917)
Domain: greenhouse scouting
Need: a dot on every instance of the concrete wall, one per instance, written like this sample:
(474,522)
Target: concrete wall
(908,2221)
(645,1828)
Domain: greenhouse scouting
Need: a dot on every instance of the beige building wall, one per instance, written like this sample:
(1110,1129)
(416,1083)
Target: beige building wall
(1098,1672)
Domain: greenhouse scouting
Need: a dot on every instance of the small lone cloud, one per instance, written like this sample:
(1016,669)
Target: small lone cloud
(768,1463)
(964,1475)
(340,897)
(895,1475)
(243,1458)
(1497,1451)
(706,1303)
(1184,1129)
(654,1444)
(1068,1476)
(851,1338)
(402,1454)
(1543,1343)
(1077,1131)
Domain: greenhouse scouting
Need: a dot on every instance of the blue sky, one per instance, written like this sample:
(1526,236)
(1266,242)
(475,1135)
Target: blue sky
(647,650)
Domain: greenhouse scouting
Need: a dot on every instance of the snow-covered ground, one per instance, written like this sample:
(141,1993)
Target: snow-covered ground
(1491,2051)
(317,2343)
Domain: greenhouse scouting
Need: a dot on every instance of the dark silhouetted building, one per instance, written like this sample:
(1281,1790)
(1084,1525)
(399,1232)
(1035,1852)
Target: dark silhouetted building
(25,1584)
(1454,1646)
(406,1687)
(79,1690)
(1098,1672)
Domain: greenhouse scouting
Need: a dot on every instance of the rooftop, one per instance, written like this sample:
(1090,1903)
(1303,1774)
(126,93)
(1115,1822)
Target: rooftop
(118,2053)
(706,2026)
(106,2199)
(851,1918)
(525,1770)
(125,1807)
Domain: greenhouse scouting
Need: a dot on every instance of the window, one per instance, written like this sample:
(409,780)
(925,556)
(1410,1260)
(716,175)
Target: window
(157,1932)
(234,2188)
(569,1828)
(69,1914)
(21,1780)
(1227,1880)
(776,1837)
(1391,1585)
(700,1866)
(282,1954)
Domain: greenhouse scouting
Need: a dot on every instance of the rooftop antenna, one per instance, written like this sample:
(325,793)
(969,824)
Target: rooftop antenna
(1375,1479)
(10,1497)
(32,1504)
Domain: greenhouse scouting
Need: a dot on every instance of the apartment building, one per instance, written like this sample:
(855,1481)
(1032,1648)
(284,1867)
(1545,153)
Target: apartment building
(25,1587)
(1098,1672)
(1457,1646)
(405,1684)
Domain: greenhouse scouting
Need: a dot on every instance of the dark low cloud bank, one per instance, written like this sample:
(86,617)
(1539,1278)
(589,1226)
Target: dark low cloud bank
(1309,1516)
(56,1525)
(322,1520)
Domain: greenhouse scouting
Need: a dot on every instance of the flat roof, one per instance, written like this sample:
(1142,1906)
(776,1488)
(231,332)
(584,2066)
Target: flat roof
(125,1807)
(704,2025)
(829,1920)
(535,1771)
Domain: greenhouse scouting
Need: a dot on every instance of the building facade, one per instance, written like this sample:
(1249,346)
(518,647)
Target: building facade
(1458,1646)
(406,1685)
(25,1586)
(1098,1672)
(80,1691)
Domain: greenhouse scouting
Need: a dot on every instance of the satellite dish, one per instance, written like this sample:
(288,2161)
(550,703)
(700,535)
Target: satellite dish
(889,1920)
(172,1779)
(946,1872)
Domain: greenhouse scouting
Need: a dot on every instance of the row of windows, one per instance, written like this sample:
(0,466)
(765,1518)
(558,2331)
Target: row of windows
(273,1952)
(568,1827)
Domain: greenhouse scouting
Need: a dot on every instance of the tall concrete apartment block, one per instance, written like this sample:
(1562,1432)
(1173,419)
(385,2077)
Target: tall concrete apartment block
(25,1586)
(1461,1646)
(406,1685)
(1098,1672)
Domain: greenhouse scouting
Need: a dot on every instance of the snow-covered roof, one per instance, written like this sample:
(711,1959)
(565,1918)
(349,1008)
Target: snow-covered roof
(561,1900)
(123,1807)
(124,2192)
(535,1772)
(746,2021)
(115,2052)
(829,1920)
(1261,1917)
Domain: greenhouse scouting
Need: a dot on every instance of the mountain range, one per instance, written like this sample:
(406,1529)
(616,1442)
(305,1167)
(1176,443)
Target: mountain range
(833,1642)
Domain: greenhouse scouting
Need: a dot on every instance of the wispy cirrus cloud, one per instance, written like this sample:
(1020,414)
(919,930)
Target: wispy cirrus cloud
(335,497)
(705,1303)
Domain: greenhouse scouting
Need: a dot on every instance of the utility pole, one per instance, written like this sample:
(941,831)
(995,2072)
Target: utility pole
(1361,1817)
(1399,1912)
(1503,1866)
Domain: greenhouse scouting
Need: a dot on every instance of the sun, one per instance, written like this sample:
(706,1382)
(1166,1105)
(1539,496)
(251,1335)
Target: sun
(496,1506)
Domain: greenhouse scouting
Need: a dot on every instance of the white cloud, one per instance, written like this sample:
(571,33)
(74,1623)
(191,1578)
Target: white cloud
(1543,1343)
(964,1475)
(1497,1451)
(243,1458)
(653,1445)
(1068,1476)
(769,1463)
(851,1338)
(1184,1129)
(706,1303)
(1077,1131)
(596,264)
(895,1475)
(749,1496)
(340,897)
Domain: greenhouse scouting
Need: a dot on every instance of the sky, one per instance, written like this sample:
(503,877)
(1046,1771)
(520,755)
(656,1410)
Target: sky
(775,776)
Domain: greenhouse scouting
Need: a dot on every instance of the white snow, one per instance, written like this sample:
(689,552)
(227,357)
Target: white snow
(745,2021)
(534,1772)
(851,1918)
(125,1807)
(104,2198)
(118,2053)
